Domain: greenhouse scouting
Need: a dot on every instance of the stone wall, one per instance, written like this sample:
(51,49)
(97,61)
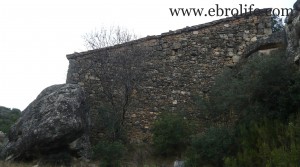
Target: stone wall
(183,63)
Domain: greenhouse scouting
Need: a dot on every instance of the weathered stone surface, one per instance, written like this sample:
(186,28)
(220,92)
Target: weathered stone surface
(292,29)
(57,120)
(297,5)
(275,40)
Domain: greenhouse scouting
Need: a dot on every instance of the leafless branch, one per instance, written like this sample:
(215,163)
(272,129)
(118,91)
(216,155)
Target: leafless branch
(104,37)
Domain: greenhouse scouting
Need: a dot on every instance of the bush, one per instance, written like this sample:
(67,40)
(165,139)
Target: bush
(210,148)
(267,143)
(264,86)
(109,153)
(170,135)
(264,93)
(8,117)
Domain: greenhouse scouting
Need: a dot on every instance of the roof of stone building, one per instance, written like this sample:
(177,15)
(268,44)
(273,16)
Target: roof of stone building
(179,31)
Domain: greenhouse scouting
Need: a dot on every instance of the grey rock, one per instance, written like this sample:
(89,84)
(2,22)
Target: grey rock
(178,163)
(176,45)
(3,139)
(296,5)
(235,59)
(292,29)
(57,118)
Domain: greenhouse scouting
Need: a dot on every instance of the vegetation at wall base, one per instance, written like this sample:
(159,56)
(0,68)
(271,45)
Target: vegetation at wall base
(109,153)
(171,135)
(267,143)
(264,94)
(210,148)
(111,124)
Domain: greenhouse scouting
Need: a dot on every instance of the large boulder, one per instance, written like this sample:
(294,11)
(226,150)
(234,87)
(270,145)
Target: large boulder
(56,121)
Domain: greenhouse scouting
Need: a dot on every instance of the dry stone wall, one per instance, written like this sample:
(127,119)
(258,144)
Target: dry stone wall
(183,63)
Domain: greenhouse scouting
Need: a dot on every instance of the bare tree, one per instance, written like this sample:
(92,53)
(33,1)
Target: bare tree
(119,72)
(105,37)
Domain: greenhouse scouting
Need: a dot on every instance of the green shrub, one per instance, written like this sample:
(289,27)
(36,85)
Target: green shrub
(264,86)
(267,143)
(170,135)
(210,148)
(264,93)
(109,153)
(8,117)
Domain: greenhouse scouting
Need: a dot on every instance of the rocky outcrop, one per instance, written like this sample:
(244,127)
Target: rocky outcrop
(297,5)
(292,29)
(56,121)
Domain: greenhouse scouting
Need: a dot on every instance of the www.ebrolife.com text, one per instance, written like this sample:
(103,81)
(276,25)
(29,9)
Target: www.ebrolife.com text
(218,11)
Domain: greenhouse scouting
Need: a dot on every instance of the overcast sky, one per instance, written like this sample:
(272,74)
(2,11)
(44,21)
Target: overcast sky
(36,35)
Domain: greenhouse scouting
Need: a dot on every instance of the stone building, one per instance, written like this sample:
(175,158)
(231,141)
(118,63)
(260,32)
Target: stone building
(182,63)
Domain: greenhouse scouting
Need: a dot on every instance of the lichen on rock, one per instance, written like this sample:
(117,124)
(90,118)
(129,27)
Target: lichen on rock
(54,120)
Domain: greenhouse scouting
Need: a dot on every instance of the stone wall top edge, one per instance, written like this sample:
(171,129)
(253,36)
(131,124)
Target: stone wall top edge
(175,32)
